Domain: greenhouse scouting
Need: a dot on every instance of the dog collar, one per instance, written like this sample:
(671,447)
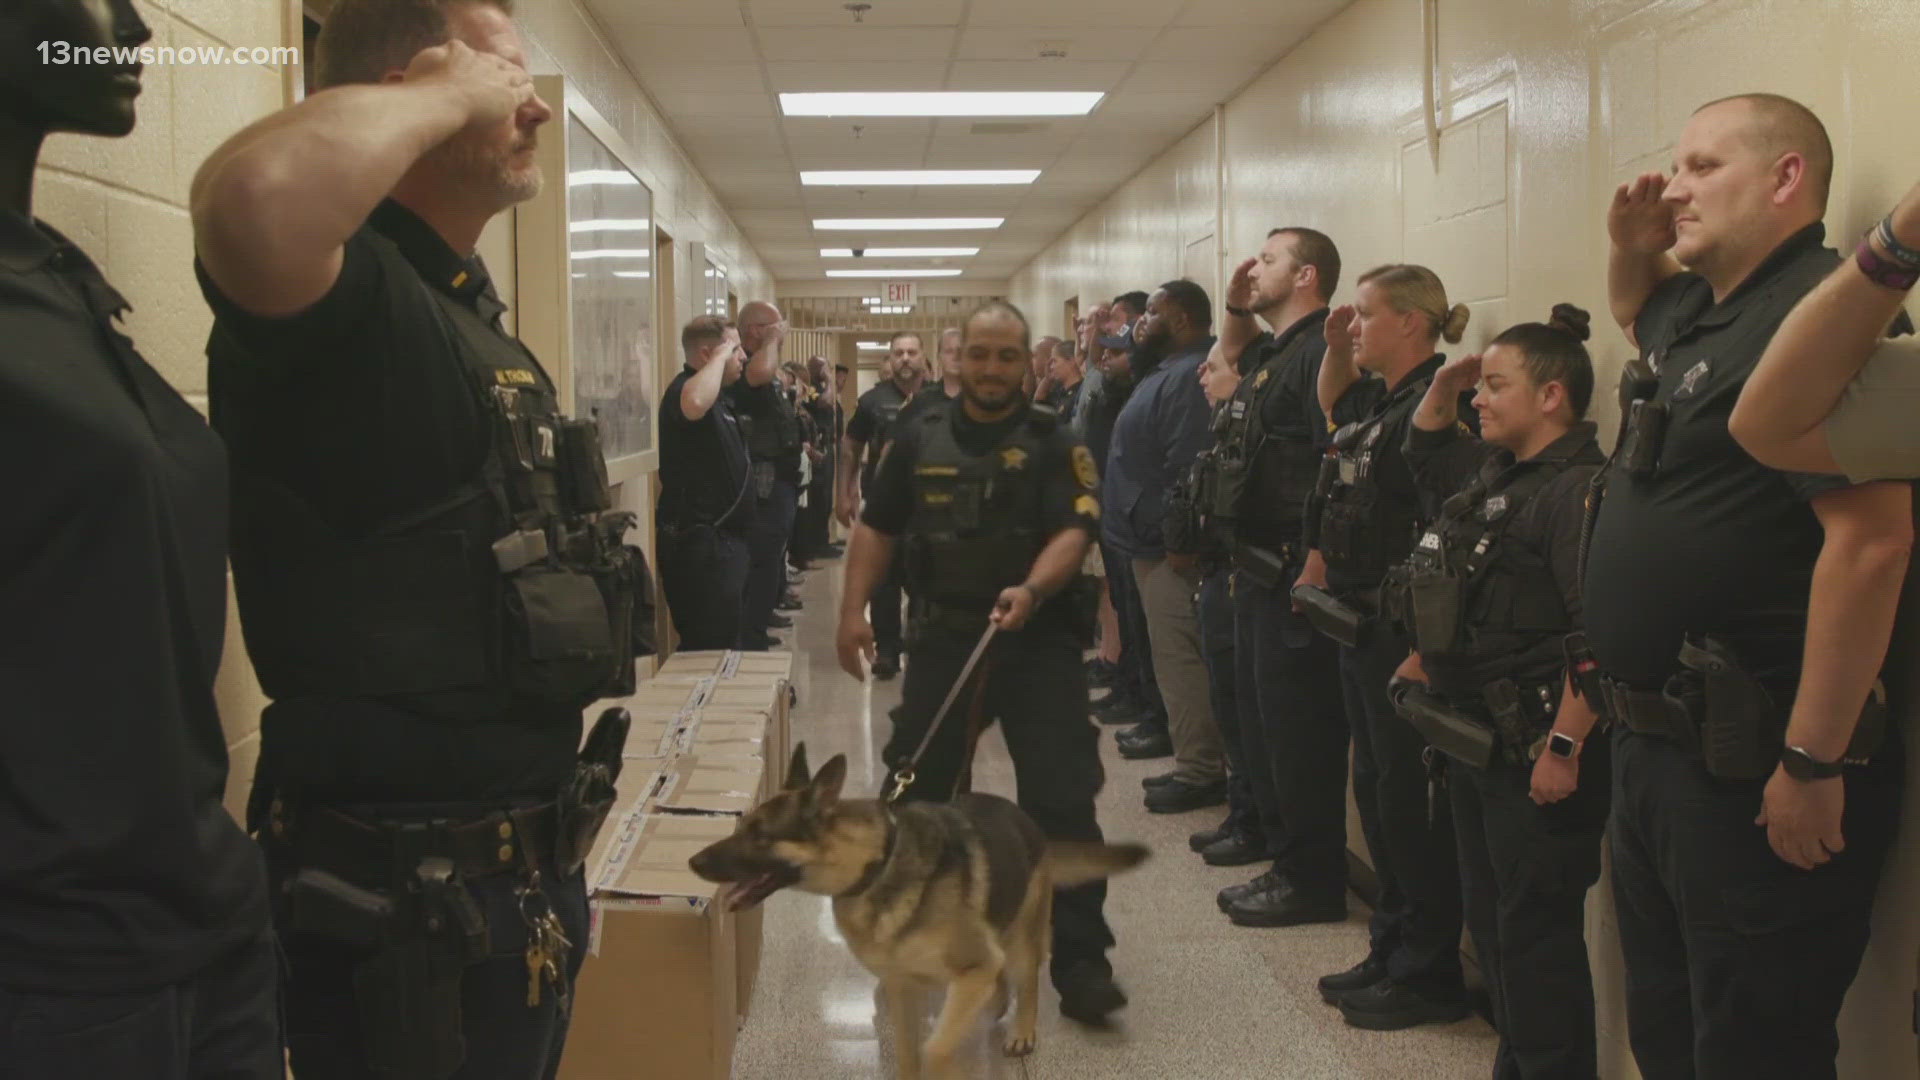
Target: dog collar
(872,873)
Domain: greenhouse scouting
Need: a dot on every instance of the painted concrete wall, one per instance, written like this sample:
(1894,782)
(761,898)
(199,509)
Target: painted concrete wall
(1543,107)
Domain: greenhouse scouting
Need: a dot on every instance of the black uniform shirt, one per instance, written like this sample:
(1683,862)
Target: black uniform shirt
(1068,499)
(1392,475)
(364,408)
(119,868)
(1281,378)
(1714,542)
(868,425)
(769,408)
(1445,462)
(933,393)
(703,464)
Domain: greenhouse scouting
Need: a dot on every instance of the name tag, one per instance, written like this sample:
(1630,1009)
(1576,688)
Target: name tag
(1349,471)
(515,377)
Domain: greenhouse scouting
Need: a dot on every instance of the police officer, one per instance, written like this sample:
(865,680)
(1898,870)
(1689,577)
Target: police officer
(868,432)
(431,582)
(1411,974)
(134,937)
(935,392)
(1488,598)
(992,505)
(1292,724)
(1738,617)
(707,497)
(773,442)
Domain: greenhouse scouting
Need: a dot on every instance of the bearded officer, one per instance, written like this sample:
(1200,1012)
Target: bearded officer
(992,505)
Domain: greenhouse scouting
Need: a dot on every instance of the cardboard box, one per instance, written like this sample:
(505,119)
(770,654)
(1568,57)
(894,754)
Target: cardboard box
(727,666)
(694,785)
(660,991)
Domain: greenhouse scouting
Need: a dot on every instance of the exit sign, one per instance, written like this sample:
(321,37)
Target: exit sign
(902,292)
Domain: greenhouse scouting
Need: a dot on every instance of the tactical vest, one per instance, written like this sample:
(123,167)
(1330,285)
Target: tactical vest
(1258,481)
(1361,530)
(515,587)
(976,523)
(1477,604)
(775,431)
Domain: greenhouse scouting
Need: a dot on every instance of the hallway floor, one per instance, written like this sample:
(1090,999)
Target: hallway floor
(1209,999)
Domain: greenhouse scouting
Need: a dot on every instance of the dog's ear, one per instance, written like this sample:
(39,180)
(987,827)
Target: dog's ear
(797,774)
(826,786)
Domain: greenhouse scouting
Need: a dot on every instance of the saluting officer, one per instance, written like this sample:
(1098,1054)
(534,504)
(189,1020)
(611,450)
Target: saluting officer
(431,583)
(1739,616)
(992,505)
(707,498)
(1488,599)
(869,430)
(1293,725)
(1411,974)
(773,443)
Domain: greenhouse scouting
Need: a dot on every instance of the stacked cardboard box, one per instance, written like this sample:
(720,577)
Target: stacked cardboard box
(668,974)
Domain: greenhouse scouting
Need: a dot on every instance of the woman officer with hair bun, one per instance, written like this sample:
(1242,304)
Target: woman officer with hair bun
(1487,600)
(1366,513)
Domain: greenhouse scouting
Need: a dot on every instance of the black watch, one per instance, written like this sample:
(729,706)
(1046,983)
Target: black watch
(1244,313)
(1804,766)
(1562,745)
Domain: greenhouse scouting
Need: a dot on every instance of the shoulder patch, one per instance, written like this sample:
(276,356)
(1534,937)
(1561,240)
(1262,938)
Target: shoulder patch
(1260,380)
(1087,506)
(1083,468)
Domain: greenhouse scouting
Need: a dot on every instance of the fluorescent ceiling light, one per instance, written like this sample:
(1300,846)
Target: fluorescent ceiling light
(944,103)
(874,346)
(909,177)
(611,225)
(931,224)
(614,253)
(894,273)
(631,274)
(884,309)
(902,253)
(615,177)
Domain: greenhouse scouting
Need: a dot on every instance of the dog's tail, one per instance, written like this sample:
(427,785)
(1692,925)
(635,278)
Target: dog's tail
(1076,862)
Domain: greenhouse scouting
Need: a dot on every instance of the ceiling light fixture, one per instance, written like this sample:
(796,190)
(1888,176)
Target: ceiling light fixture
(873,346)
(929,177)
(613,177)
(902,253)
(944,103)
(614,253)
(931,224)
(893,273)
(611,225)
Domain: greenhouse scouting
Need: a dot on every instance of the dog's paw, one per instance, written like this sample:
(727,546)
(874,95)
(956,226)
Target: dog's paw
(1019,1044)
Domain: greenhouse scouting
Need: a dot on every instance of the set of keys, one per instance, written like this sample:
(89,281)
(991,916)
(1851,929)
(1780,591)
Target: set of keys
(547,944)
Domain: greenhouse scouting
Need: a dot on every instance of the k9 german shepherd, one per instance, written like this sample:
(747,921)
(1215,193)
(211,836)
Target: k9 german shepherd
(957,894)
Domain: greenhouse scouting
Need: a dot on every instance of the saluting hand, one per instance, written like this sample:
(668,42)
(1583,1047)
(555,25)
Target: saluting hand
(1341,329)
(1639,220)
(1240,285)
(493,88)
(855,645)
(1458,375)
(1802,818)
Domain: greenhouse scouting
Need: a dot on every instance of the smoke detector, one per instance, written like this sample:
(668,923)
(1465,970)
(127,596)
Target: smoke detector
(859,11)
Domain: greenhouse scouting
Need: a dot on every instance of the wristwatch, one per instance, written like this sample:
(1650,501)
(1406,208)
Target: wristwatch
(1804,766)
(1244,313)
(1562,745)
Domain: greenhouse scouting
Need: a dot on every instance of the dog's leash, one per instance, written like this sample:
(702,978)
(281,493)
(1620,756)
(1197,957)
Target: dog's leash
(903,778)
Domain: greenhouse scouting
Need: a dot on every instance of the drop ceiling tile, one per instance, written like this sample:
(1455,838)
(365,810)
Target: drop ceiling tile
(679,73)
(674,45)
(685,104)
(1221,45)
(856,43)
(811,127)
(743,128)
(1036,74)
(1080,43)
(827,13)
(614,13)
(1298,16)
(1107,14)
(845,75)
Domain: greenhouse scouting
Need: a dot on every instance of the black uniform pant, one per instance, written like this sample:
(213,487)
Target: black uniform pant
(767,560)
(703,573)
(1214,608)
(883,611)
(222,1024)
(506,1039)
(1036,687)
(1524,873)
(1136,682)
(1294,735)
(811,534)
(1736,961)
(1416,925)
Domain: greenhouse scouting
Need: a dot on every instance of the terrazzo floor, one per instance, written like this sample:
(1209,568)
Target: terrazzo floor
(1209,999)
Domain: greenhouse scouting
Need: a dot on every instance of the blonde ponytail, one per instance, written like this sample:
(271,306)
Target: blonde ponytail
(1408,287)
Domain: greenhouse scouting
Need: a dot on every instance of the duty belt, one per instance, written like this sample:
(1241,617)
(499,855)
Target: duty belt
(1648,712)
(366,852)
